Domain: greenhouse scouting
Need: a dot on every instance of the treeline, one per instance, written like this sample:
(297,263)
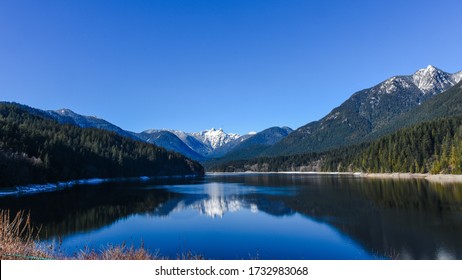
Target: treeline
(302,162)
(434,147)
(34,149)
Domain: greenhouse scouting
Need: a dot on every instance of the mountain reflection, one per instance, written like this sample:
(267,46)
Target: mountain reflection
(214,207)
(216,204)
(215,199)
(404,219)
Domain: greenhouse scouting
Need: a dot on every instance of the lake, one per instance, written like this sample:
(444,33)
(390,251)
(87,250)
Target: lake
(256,216)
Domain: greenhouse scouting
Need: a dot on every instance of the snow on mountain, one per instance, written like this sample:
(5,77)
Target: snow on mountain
(205,142)
(393,84)
(433,80)
(428,81)
(215,137)
(226,148)
(417,87)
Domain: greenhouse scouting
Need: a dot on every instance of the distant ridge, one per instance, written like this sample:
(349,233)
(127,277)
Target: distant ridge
(70,117)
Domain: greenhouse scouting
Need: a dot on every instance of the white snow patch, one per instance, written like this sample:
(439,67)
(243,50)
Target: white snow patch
(433,80)
(215,138)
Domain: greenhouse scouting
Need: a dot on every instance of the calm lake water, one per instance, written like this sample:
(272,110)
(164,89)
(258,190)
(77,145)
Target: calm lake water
(270,216)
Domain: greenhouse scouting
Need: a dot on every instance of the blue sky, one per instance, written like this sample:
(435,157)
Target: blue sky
(193,65)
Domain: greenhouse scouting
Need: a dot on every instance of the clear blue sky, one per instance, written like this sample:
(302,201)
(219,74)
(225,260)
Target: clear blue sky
(196,64)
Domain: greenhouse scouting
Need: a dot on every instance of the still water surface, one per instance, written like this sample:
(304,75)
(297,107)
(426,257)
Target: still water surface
(264,216)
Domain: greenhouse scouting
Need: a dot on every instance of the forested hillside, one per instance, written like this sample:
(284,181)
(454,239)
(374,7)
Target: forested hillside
(35,149)
(434,147)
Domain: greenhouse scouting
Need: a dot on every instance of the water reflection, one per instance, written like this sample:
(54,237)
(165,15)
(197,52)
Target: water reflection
(217,202)
(408,219)
(214,199)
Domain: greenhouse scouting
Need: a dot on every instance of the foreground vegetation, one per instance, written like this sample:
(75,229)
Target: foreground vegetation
(35,149)
(19,241)
(429,147)
(17,238)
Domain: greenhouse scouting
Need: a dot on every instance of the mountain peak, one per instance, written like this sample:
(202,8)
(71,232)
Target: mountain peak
(65,111)
(432,80)
(215,137)
(430,70)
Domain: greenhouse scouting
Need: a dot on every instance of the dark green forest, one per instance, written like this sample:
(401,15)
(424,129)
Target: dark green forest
(434,147)
(34,149)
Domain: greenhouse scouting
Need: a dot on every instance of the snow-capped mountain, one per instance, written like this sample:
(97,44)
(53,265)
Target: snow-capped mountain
(215,138)
(200,146)
(197,146)
(432,80)
(204,143)
(429,81)
(418,87)
(215,143)
(366,112)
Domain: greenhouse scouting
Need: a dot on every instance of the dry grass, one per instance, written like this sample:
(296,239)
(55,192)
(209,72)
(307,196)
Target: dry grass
(119,252)
(19,241)
(18,237)
(124,252)
(189,256)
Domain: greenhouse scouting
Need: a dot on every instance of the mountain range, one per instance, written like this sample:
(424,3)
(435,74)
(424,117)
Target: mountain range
(194,145)
(198,145)
(201,146)
(365,116)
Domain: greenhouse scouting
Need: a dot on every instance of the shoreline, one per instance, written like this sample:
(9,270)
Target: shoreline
(51,187)
(434,178)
